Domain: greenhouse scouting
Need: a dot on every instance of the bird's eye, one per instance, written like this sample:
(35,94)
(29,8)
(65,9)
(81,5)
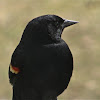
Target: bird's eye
(57,24)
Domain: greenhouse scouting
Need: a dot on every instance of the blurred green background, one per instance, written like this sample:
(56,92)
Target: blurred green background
(83,40)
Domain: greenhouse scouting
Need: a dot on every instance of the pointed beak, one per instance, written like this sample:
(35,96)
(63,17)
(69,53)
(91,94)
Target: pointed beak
(69,23)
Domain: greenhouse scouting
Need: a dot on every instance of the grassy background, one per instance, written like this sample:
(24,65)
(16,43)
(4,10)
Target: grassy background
(83,40)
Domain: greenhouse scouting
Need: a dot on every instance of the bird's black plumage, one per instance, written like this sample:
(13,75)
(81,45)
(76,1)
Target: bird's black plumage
(42,64)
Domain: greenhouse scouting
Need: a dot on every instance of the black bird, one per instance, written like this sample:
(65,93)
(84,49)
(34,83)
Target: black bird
(42,64)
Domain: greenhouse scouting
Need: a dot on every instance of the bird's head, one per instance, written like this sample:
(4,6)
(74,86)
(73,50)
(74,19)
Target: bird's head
(46,29)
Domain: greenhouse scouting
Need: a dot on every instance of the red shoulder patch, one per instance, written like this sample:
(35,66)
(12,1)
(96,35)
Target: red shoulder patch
(14,69)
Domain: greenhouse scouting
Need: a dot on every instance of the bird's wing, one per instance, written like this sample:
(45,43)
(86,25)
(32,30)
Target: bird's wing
(16,65)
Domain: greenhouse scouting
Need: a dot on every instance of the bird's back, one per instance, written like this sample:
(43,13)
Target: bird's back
(47,69)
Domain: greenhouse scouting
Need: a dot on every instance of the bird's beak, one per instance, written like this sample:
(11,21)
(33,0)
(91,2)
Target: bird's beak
(68,23)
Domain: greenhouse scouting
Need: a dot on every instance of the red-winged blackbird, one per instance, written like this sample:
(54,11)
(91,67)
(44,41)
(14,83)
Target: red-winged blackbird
(42,64)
